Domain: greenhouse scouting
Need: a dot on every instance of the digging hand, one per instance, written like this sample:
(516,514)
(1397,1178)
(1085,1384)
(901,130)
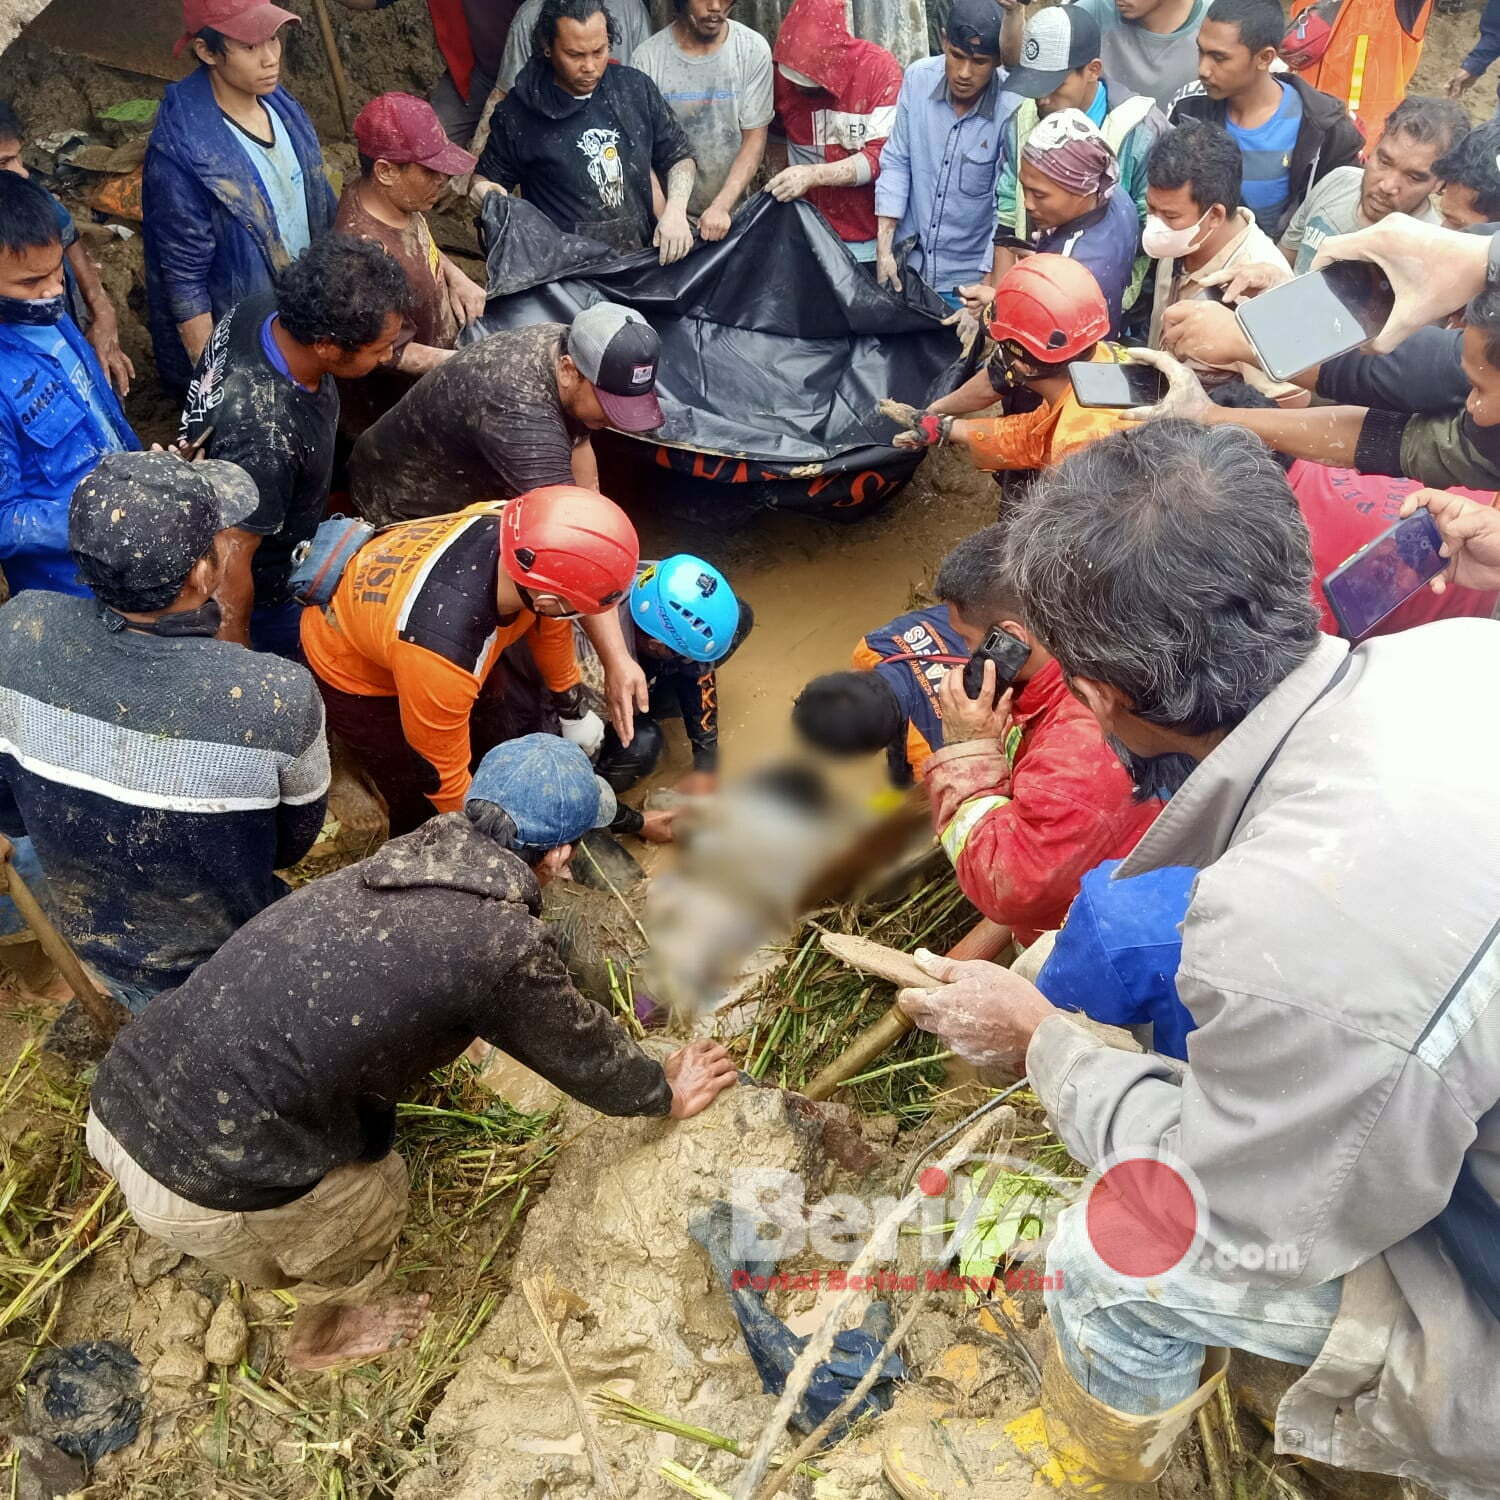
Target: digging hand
(697,1074)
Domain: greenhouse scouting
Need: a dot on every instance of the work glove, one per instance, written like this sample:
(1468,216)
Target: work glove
(928,431)
(587,732)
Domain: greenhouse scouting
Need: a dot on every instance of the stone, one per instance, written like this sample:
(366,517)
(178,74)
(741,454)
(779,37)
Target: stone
(151,1259)
(179,1364)
(184,1319)
(43,1471)
(227,1336)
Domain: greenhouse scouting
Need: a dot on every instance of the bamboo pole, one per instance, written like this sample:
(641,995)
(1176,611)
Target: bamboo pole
(335,63)
(107,1014)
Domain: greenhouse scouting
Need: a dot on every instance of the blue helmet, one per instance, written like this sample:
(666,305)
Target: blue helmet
(687,604)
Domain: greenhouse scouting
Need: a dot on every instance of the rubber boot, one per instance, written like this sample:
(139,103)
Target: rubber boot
(1094,1450)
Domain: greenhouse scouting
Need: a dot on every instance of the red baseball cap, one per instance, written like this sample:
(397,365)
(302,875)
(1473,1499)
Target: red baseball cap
(402,128)
(248,21)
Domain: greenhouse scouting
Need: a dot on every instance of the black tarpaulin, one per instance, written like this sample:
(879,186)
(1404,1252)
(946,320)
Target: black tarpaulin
(776,348)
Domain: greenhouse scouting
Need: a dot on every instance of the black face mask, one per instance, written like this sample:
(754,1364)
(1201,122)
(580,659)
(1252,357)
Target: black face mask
(1153,775)
(205,620)
(33,312)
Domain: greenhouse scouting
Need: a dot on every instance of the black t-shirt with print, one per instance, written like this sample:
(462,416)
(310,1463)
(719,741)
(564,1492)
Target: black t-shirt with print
(586,163)
(279,432)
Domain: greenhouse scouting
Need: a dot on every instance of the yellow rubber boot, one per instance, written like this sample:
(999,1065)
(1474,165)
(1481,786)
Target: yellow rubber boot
(1084,1448)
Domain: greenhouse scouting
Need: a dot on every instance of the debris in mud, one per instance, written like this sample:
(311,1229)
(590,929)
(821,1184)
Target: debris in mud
(87,1398)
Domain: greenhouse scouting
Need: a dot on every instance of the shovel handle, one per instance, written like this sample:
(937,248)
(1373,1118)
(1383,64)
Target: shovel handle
(107,1014)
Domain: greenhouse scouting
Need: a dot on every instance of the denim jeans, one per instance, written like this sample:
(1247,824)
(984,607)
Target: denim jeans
(1137,1345)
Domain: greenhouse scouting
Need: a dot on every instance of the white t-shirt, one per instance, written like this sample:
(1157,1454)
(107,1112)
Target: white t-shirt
(716,96)
(1332,207)
(280,173)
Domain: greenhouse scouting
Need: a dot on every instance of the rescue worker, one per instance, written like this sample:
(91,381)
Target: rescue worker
(682,622)
(1048,311)
(408,651)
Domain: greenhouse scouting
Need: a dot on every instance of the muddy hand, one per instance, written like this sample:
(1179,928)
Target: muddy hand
(697,1074)
(979,1010)
(1185,396)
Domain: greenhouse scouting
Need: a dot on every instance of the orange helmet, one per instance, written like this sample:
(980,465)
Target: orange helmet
(572,542)
(1051,306)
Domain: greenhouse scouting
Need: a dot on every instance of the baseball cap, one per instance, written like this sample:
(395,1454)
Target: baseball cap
(618,352)
(548,787)
(248,21)
(1055,42)
(974,26)
(140,521)
(402,128)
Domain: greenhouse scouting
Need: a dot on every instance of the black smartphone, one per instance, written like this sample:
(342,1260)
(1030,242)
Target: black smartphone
(1311,318)
(1009,654)
(1384,573)
(1116,385)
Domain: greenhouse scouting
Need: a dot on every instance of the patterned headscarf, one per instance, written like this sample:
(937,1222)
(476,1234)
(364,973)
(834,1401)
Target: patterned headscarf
(1068,148)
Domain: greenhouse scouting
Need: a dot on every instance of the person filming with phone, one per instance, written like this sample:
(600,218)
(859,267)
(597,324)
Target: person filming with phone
(1027,795)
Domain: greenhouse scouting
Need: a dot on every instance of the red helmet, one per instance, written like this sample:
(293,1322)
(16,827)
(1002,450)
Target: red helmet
(1051,306)
(572,542)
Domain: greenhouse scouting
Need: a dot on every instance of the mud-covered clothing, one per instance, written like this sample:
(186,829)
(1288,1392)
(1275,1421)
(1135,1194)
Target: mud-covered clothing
(487,424)
(431,320)
(900,653)
(1025,821)
(337,1243)
(278,431)
(1045,436)
(162,780)
(853,116)
(513,702)
(59,416)
(285,1056)
(1107,240)
(415,618)
(1440,449)
(586,163)
(209,229)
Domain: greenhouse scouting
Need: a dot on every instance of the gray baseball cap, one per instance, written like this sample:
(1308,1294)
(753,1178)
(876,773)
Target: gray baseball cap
(618,352)
(1056,42)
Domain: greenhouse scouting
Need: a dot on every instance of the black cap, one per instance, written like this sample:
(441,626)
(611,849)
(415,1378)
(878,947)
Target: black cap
(974,26)
(1057,41)
(139,522)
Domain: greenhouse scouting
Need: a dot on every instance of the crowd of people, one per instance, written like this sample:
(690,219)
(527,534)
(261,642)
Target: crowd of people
(1152,748)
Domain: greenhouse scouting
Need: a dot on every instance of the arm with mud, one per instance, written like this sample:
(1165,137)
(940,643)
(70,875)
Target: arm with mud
(542,1021)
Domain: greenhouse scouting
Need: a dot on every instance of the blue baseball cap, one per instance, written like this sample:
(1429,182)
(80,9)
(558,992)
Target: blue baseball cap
(548,787)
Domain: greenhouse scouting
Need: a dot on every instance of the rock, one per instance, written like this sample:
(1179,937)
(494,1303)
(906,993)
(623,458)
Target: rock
(266,1307)
(185,1318)
(43,1471)
(151,1259)
(227,1336)
(179,1364)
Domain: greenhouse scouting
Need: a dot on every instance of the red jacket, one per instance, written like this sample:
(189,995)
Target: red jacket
(452,29)
(1023,824)
(853,116)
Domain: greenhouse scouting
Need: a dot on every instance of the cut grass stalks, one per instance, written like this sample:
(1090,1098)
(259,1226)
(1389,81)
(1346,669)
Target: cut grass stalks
(809,1009)
(614,1407)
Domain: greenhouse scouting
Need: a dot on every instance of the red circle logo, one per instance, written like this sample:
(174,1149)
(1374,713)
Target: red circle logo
(933,1182)
(1142,1217)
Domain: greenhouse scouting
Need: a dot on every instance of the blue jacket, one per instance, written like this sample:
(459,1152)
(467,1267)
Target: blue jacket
(210,232)
(49,439)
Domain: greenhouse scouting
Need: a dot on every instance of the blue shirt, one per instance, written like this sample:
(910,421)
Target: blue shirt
(58,418)
(937,176)
(1106,241)
(1267,153)
(280,172)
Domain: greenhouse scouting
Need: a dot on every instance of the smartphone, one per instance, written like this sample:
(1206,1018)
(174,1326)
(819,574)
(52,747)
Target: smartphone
(1311,318)
(1116,385)
(1384,574)
(1009,654)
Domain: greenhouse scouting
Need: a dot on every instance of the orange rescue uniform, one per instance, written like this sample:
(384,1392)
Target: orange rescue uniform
(415,617)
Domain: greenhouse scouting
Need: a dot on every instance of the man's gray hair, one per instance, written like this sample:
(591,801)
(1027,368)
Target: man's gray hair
(1170,562)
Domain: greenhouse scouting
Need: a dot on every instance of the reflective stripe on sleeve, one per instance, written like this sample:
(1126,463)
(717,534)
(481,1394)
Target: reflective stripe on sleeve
(963,823)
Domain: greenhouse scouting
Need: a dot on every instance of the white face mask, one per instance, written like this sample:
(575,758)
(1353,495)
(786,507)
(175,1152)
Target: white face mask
(1160,241)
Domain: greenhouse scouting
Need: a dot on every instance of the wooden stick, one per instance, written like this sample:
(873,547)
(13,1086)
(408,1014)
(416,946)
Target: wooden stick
(107,1014)
(335,63)
(984,940)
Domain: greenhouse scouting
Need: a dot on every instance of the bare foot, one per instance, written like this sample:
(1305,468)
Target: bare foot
(326,1336)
